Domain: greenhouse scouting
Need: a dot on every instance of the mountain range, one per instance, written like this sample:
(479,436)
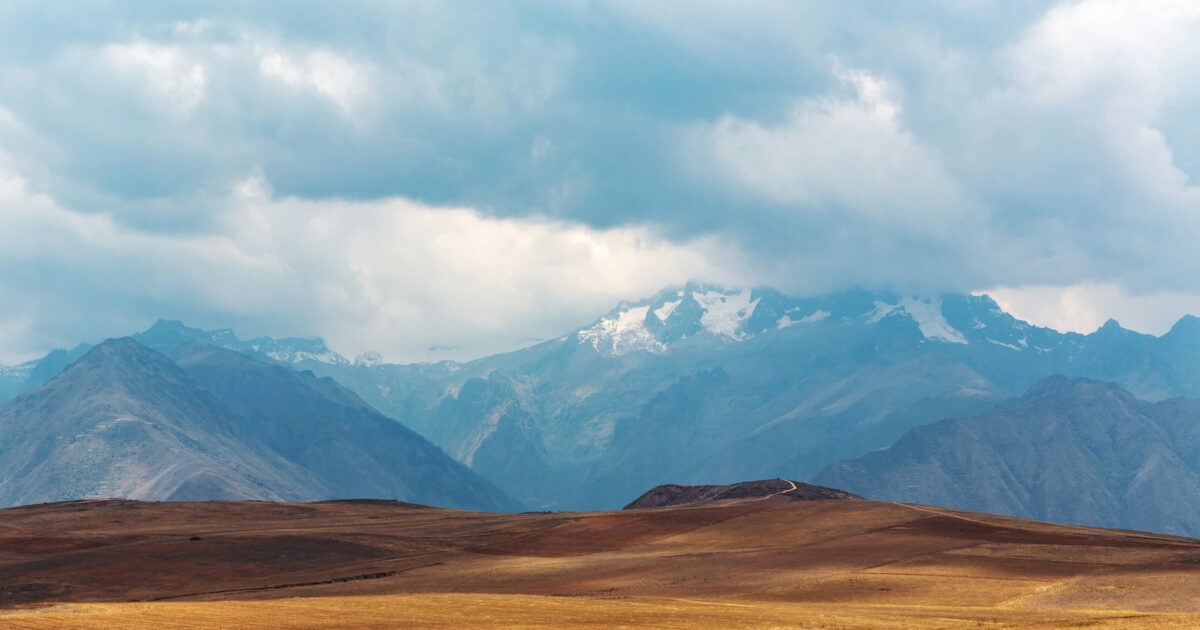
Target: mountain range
(125,420)
(1069,451)
(704,385)
(701,385)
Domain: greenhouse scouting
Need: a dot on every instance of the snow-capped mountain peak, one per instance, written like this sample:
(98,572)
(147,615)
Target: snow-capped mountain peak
(664,311)
(926,312)
(787,320)
(296,350)
(725,314)
(623,332)
(655,324)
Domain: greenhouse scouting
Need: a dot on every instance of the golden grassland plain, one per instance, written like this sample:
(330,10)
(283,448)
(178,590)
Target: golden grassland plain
(742,564)
(480,610)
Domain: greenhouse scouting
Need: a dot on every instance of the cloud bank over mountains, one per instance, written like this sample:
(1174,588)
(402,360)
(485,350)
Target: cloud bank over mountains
(402,175)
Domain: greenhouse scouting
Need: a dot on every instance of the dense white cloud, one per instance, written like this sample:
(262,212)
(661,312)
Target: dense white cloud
(402,277)
(174,80)
(339,79)
(841,154)
(1084,307)
(1047,159)
(472,175)
(412,281)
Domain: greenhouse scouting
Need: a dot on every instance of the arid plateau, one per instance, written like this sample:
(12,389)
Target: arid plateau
(769,561)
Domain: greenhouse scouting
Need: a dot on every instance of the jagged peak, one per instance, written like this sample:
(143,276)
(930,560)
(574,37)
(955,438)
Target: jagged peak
(167,324)
(925,312)
(980,299)
(1048,384)
(1113,328)
(166,333)
(1060,385)
(734,314)
(114,347)
(1187,325)
(670,315)
(120,356)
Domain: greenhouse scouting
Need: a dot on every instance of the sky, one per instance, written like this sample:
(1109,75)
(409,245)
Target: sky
(452,179)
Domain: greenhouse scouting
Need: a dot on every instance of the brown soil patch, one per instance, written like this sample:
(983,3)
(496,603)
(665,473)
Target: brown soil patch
(731,564)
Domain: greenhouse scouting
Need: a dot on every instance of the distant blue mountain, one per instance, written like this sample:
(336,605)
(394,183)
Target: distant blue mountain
(700,384)
(207,423)
(703,385)
(1069,451)
(290,350)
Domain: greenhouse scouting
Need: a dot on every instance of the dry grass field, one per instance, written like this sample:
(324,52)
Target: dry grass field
(455,611)
(743,564)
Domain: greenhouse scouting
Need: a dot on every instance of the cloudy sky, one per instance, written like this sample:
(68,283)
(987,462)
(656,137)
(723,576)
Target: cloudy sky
(432,179)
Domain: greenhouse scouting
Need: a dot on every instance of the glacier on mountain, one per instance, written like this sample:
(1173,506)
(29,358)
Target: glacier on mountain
(925,312)
(724,313)
(655,324)
(624,333)
(664,311)
(787,320)
(928,315)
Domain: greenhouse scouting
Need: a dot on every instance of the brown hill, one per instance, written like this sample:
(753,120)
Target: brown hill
(728,564)
(778,489)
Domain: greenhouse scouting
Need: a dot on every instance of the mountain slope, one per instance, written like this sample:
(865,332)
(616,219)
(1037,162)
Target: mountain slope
(21,378)
(125,421)
(13,380)
(328,430)
(1080,451)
